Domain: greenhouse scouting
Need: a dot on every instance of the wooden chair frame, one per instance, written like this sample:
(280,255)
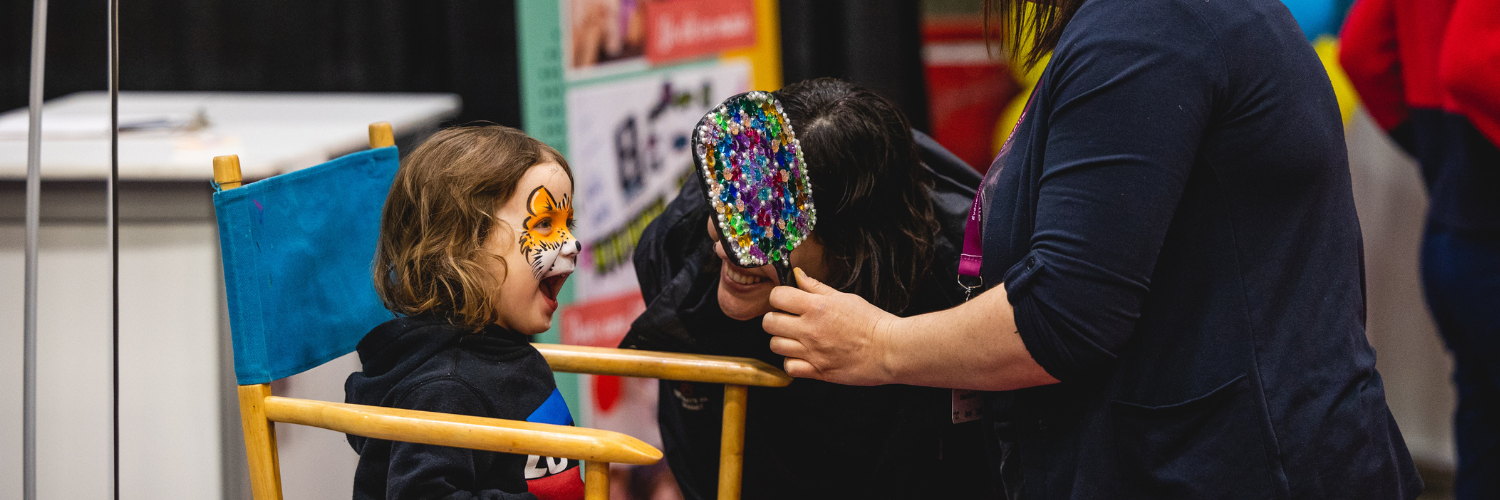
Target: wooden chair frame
(596,448)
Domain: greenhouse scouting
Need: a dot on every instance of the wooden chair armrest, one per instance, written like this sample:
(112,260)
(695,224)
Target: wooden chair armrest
(663,365)
(463,431)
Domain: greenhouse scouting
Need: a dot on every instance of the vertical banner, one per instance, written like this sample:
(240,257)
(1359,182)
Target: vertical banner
(617,86)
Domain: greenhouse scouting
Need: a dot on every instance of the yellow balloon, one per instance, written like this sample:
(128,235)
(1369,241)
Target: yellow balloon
(1327,47)
(1012,112)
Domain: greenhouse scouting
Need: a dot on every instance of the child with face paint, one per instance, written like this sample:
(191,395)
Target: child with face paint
(476,240)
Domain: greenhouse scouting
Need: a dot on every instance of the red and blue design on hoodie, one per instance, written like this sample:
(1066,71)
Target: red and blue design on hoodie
(553,478)
(425,364)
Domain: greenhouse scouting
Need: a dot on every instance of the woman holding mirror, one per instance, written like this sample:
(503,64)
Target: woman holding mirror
(1172,299)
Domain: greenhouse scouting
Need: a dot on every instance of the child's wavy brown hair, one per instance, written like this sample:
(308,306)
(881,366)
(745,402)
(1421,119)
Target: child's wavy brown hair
(440,209)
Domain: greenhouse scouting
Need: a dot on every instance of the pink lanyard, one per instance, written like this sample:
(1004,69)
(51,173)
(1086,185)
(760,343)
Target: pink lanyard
(971,260)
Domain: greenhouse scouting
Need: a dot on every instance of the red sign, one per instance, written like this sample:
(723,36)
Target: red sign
(603,322)
(968,88)
(680,29)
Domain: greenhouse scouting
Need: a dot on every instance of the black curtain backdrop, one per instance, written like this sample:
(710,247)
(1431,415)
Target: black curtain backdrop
(874,43)
(464,47)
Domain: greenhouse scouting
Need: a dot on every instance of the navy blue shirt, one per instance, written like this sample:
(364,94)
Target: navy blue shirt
(424,363)
(1174,224)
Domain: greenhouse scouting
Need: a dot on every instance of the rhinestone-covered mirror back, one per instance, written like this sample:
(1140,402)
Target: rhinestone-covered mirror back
(755,178)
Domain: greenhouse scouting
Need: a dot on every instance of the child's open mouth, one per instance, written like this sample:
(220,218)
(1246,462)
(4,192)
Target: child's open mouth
(551,285)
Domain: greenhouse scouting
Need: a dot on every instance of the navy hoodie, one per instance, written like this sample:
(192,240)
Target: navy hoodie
(426,364)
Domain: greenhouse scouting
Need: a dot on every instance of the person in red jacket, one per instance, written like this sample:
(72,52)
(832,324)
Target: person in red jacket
(1429,73)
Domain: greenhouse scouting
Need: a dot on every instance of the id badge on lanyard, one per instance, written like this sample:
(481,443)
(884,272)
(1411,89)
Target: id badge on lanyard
(968,404)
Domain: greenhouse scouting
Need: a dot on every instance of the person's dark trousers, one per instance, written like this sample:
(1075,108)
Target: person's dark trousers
(1461,276)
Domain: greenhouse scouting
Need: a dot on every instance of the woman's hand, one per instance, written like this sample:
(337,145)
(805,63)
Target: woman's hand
(829,335)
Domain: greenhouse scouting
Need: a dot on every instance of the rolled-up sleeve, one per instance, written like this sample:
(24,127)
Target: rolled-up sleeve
(1124,121)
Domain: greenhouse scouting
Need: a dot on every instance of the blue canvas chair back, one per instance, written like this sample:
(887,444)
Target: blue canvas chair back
(297,252)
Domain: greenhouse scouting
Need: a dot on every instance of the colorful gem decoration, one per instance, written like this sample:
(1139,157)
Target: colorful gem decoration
(753,173)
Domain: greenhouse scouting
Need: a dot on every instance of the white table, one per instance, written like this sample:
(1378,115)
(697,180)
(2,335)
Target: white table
(180,431)
(272,132)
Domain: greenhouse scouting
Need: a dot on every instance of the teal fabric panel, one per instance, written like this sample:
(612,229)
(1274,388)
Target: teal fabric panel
(298,250)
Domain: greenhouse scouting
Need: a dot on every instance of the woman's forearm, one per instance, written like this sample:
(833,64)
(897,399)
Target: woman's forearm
(973,346)
(839,337)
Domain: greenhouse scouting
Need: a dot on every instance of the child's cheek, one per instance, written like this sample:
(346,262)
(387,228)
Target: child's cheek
(517,302)
(520,267)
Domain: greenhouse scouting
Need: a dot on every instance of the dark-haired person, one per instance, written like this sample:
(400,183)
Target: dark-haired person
(890,214)
(1173,300)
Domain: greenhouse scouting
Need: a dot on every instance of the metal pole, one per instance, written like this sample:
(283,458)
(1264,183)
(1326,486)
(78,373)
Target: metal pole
(33,222)
(112,217)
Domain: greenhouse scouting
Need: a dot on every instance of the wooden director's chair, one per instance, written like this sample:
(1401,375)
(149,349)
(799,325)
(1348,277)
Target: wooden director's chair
(259,408)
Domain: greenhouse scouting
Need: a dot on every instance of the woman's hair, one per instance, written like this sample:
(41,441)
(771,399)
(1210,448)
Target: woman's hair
(875,214)
(1028,28)
(441,206)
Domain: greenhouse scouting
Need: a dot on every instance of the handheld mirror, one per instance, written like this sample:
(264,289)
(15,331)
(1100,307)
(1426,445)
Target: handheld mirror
(756,181)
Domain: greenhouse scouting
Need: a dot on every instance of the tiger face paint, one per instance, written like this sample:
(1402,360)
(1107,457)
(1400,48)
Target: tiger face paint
(546,241)
(534,247)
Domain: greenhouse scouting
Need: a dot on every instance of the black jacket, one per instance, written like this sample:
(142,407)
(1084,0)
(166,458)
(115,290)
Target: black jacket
(1175,226)
(811,439)
(426,364)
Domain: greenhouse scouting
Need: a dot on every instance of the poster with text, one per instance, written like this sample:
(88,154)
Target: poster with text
(609,37)
(630,153)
